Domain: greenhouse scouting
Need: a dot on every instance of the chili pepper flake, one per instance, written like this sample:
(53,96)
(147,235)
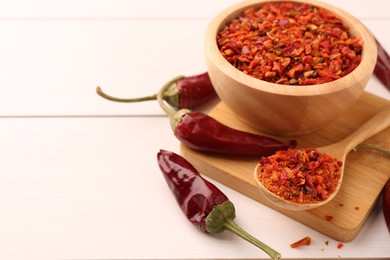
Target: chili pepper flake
(300,175)
(306,241)
(340,245)
(329,218)
(290,43)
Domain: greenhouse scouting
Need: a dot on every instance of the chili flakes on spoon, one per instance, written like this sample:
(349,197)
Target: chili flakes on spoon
(300,175)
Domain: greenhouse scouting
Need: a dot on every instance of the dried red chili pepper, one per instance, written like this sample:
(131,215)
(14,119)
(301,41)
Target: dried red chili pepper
(382,66)
(306,241)
(204,205)
(201,132)
(195,90)
(183,92)
(386,203)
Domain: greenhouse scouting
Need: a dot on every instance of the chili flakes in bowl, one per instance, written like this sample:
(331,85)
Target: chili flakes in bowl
(300,175)
(290,43)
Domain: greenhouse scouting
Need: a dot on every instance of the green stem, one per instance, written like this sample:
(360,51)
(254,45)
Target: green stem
(174,116)
(235,229)
(373,147)
(170,94)
(125,100)
(160,97)
(221,218)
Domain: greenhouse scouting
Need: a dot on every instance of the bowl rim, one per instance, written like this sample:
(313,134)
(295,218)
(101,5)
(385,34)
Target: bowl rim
(364,69)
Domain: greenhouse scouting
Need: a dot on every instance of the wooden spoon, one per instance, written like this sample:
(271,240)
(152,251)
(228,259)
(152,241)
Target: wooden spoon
(339,150)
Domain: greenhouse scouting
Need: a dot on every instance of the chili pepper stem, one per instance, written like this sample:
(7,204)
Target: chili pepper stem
(234,228)
(160,97)
(174,116)
(170,94)
(373,147)
(222,218)
(100,92)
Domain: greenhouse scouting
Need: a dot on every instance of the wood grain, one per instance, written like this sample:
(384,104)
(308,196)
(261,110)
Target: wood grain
(366,171)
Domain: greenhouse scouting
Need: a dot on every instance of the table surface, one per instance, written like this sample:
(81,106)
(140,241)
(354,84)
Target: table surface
(78,174)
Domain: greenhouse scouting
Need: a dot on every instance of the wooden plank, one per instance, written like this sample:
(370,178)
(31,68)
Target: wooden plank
(57,72)
(366,171)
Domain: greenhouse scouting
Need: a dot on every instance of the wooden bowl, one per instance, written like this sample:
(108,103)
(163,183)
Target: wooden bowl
(286,109)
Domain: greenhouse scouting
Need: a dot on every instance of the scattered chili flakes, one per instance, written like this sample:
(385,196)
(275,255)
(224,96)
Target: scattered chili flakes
(340,245)
(339,205)
(329,218)
(306,241)
(290,43)
(300,175)
(357,208)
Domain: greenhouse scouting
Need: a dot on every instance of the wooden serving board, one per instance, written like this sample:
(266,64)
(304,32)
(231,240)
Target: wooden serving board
(366,171)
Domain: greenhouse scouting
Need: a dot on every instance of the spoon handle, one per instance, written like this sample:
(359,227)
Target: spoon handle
(374,125)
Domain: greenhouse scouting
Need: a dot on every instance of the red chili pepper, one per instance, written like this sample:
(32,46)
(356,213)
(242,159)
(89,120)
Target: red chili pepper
(204,205)
(201,132)
(382,66)
(194,91)
(183,92)
(386,203)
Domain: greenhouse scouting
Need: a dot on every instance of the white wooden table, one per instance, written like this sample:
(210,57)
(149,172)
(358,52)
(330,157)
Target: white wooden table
(78,174)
